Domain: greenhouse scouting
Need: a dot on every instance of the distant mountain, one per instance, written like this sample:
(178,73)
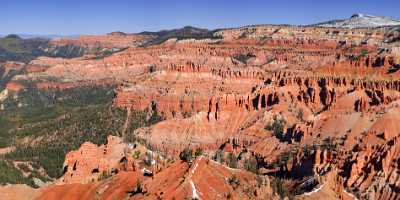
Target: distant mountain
(360,21)
(15,48)
(45,36)
(186,32)
(29,36)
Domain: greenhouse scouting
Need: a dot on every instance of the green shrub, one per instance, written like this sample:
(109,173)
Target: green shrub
(277,126)
(219,156)
(155,118)
(198,152)
(231,160)
(244,57)
(284,158)
(186,155)
(104,175)
(300,115)
(363,53)
(234,181)
(10,174)
(186,114)
(279,187)
(23,167)
(251,164)
(136,155)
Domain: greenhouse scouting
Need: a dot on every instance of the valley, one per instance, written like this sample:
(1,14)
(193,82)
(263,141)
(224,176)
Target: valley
(255,112)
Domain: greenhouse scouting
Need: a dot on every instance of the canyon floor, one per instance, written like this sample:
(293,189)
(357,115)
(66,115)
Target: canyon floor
(257,112)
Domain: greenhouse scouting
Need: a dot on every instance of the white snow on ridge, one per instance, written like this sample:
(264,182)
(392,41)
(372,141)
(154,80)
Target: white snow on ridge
(197,164)
(194,191)
(314,191)
(361,21)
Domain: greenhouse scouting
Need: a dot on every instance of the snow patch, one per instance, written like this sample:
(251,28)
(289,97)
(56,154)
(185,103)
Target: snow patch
(147,172)
(196,165)
(314,191)
(361,21)
(217,163)
(194,191)
(194,169)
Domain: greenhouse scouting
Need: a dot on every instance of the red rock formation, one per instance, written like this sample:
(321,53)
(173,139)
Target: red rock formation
(336,93)
(90,161)
(14,86)
(205,179)
(178,181)
(109,189)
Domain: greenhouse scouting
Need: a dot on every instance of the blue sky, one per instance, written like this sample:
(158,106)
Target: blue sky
(68,17)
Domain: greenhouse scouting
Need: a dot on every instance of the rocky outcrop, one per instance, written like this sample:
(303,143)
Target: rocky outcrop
(194,181)
(88,162)
(14,87)
(374,171)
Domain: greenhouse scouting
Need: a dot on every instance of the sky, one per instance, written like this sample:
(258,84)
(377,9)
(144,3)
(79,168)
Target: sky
(72,17)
